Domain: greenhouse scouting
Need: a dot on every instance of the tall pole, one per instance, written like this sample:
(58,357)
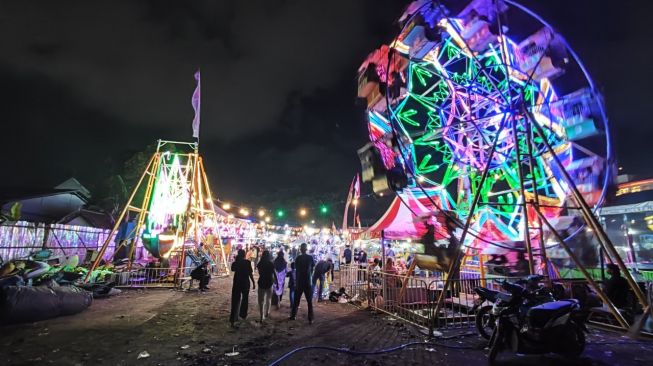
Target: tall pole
(529,146)
(144,207)
(527,235)
(189,211)
(453,267)
(124,211)
(588,276)
(212,208)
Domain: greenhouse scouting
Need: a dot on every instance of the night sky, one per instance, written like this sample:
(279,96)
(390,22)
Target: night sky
(86,84)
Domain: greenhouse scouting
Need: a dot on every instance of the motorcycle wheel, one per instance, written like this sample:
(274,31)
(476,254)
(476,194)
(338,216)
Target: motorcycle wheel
(575,347)
(485,322)
(496,342)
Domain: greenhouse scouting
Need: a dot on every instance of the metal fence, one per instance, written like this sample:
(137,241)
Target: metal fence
(414,299)
(153,277)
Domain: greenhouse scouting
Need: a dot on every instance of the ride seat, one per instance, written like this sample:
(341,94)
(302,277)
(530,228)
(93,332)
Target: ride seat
(539,315)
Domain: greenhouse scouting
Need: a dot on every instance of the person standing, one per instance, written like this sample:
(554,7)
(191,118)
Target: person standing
(304,265)
(389,252)
(281,267)
(242,269)
(267,277)
(362,265)
(616,287)
(322,268)
(256,255)
(347,254)
(362,259)
(292,284)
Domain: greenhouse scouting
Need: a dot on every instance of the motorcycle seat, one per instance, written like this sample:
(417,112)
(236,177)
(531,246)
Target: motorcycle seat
(539,315)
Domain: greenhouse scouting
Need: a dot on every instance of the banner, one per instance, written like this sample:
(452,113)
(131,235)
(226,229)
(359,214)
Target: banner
(195,101)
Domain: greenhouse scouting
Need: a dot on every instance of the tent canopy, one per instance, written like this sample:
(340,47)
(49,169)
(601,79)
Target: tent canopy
(406,218)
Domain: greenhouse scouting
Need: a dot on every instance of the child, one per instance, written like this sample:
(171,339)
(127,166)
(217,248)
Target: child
(291,284)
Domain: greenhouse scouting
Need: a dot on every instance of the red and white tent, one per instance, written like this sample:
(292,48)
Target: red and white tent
(406,217)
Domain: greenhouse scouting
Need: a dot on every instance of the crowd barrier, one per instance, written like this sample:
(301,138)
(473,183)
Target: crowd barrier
(414,299)
(152,277)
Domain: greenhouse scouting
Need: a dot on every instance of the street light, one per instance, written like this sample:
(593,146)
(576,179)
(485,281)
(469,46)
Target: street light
(226,206)
(261,213)
(267,219)
(302,212)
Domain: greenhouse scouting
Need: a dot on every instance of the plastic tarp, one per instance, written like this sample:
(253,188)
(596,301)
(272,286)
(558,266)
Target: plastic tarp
(20,304)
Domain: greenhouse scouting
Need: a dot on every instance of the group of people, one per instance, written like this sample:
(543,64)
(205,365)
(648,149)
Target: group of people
(302,277)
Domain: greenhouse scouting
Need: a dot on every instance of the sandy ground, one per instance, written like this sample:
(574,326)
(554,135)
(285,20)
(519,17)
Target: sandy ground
(191,328)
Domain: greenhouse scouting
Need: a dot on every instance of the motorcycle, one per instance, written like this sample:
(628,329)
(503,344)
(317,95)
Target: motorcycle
(556,326)
(485,317)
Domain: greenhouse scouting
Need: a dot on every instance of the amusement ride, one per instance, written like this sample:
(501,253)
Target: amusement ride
(485,109)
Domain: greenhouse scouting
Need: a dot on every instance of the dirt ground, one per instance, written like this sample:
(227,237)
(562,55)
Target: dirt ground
(191,328)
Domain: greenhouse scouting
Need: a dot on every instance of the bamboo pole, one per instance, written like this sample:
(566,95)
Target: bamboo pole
(477,195)
(597,288)
(212,208)
(118,221)
(144,207)
(527,235)
(591,219)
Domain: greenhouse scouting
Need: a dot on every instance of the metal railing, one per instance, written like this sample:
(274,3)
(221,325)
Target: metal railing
(413,299)
(152,277)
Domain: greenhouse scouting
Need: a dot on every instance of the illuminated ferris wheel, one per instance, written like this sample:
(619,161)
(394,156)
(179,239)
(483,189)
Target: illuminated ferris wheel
(488,108)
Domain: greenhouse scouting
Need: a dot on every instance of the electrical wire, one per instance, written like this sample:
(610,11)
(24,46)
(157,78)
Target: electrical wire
(367,353)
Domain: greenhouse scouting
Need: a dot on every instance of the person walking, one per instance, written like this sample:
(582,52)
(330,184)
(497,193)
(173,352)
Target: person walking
(281,267)
(242,269)
(267,277)
(256,255)
(304,265)
(322,268)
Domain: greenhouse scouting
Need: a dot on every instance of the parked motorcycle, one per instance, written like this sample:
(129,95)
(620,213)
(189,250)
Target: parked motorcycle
(485,317)
(556,326)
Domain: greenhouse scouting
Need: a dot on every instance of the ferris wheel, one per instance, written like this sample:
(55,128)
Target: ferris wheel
(488,108)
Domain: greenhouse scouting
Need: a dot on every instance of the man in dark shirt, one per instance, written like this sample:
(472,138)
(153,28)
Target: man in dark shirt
(347,255)
(319,275)
(616,288)
(242,269)
(304,265)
